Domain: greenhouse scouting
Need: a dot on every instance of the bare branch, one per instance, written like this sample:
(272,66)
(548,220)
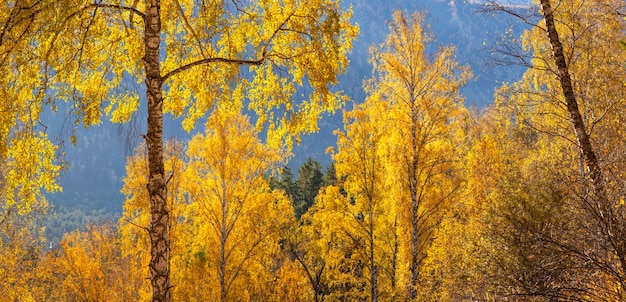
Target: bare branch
(140,226)
(515,11)
(213,60)
(601,117)
(512,53)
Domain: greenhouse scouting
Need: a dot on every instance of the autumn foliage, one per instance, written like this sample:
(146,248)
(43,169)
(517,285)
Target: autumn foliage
(425,200)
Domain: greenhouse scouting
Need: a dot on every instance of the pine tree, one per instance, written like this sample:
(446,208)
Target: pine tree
(310,180)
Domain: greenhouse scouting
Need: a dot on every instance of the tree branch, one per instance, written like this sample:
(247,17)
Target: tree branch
(495,7)
(213,60)
(256,62)
(190,28)
(120,7)
(139,226)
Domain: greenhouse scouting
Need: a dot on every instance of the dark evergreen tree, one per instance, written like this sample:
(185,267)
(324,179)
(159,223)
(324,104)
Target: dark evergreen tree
(310,180)
(285,182)
(330,177)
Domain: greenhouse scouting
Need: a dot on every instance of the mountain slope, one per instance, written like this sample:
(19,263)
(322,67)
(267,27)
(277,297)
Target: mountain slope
(93,181)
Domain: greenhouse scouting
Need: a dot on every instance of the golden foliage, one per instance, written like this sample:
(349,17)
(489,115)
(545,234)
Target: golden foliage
(431,203)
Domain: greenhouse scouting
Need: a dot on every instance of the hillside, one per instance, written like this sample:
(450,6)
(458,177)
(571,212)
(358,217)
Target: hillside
(92,183)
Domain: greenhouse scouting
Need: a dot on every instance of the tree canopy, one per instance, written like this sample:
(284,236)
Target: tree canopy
(423,199)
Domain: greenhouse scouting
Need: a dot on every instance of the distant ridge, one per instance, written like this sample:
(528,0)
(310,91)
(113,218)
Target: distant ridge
(94,178)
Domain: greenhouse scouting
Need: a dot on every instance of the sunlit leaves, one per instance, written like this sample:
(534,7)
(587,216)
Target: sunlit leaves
(89,266)
(122,108)
(93,55)
(226,220)
(423,126)
(297,45)
(231,207)
(21,247)
(29,169)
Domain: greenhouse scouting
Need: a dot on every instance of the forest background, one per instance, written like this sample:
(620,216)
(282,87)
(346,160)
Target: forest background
(93,181)
(517,196)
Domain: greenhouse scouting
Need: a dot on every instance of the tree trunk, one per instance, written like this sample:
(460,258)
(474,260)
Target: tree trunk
(157,185)
(223,239)
(414,238)
(373,269)
(412,169)
(572,105)
(611,224)
(394,259)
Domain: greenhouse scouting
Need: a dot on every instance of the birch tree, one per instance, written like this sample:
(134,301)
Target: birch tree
(424,104)
(96,54)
